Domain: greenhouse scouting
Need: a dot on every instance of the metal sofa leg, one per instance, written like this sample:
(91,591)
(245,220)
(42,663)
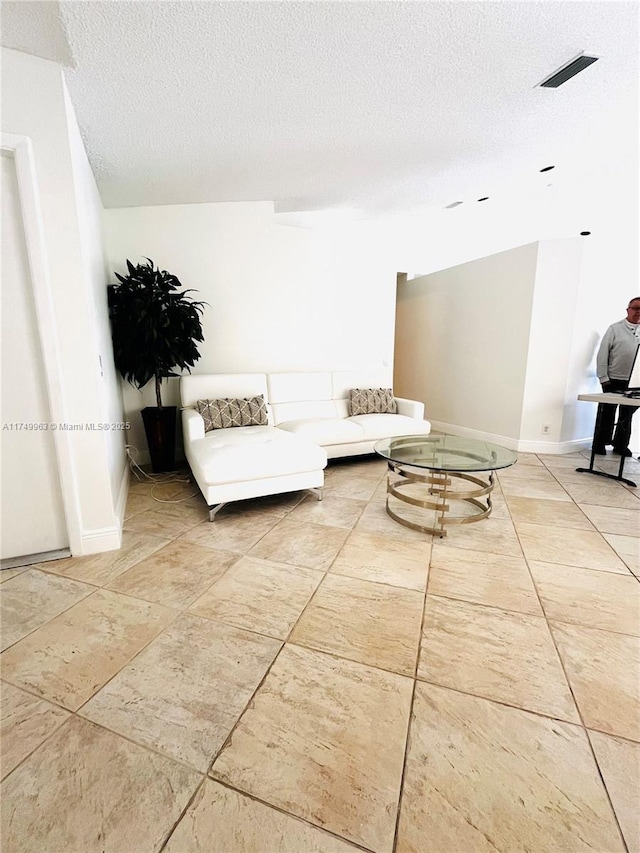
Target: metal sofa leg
(213,510)
(319,492)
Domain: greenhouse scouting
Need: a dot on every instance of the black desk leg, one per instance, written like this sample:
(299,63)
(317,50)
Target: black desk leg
(590,469)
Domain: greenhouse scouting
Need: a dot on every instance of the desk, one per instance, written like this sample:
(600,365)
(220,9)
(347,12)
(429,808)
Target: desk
(614,400)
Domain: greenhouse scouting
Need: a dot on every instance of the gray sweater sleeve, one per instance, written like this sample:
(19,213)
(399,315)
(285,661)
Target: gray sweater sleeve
(602,359)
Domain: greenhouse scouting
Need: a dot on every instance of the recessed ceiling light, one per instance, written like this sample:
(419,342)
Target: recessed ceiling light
(585,233)
(484,198)
(547,168)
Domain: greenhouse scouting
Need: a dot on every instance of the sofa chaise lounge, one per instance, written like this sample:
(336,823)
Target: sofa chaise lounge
(308,422)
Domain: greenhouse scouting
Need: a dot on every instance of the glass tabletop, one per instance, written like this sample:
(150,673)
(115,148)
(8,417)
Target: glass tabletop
(445,453)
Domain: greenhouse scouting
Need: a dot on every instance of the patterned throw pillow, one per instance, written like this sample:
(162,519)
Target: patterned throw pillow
(225,413)
(369,401)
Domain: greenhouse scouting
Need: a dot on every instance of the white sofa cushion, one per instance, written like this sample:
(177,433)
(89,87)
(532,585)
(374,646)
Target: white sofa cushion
(317,409)
(252,453)
(299,387)
(300,396)
(379,426)
(343,381)
(216,386)
(325,431)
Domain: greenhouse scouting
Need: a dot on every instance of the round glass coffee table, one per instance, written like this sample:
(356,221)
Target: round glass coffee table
(426,471)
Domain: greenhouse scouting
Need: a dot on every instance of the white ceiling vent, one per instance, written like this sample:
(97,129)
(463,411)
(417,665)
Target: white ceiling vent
(568,70)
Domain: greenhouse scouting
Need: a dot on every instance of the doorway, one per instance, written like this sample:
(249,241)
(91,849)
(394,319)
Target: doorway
(33,524)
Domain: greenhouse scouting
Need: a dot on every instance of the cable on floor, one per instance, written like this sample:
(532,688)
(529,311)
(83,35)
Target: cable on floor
(157,479)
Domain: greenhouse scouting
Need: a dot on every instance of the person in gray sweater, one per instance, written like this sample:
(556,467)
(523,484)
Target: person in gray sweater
(614,361)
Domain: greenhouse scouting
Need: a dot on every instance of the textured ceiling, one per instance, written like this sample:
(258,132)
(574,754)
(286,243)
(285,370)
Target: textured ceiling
(377,106)
(35,27)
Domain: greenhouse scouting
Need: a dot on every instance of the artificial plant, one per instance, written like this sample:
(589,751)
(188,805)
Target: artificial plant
(155,325)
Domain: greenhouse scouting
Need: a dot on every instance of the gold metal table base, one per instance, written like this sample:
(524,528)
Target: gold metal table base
(439,484)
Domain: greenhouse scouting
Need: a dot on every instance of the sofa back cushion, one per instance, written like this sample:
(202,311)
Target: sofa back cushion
(312,409)
(227,413)
(299,387)
(300,396)
(217,386)
(344,381)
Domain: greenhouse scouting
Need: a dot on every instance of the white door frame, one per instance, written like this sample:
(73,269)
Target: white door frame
(22,150)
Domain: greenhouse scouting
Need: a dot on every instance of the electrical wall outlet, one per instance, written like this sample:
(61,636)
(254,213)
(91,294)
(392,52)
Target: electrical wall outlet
(546,429)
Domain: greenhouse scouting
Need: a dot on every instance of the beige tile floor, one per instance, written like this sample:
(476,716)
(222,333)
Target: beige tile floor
(314,678)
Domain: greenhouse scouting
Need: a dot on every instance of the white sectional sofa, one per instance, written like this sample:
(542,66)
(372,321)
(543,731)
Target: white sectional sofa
(315,406)
(308,422)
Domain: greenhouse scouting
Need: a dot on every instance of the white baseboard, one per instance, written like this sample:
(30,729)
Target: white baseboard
(554,447)
(103,539)
(550,447)
(108,538)
(123,493)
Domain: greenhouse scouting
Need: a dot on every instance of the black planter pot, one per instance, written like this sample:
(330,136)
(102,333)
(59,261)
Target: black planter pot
(160,427)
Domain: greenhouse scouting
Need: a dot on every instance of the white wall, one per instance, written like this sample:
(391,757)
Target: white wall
(89,208)
(462,339)
(549,397)
(605,202)
(280,297)
(518,363)
(34,105)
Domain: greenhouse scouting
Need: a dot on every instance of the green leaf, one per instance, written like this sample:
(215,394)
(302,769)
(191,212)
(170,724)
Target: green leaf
(154,323)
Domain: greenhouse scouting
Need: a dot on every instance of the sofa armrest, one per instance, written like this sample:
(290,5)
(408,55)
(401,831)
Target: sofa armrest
(192,425)
(411,408)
